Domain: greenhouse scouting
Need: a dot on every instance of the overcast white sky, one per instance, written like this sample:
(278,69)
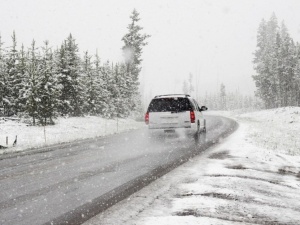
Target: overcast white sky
(213,39)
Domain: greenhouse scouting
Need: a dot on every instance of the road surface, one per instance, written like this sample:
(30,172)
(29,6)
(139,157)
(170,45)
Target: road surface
(70,183)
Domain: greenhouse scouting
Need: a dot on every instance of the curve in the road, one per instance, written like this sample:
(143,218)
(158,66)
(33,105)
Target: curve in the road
(107,200)
(70,183)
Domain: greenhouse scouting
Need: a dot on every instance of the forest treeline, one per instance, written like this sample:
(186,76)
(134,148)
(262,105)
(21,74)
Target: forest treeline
(42,82)
(223,100)
(230,101)
(277,65)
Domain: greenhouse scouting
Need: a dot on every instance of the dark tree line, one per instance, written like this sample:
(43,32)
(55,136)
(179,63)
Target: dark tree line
(277,65)
(42,82)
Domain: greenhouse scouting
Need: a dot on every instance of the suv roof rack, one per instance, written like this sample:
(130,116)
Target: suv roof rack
(186,95)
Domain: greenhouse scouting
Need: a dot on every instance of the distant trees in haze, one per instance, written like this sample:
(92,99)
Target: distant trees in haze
(277,65)
(42,82)
(221,99)
(188,86)
(234,100)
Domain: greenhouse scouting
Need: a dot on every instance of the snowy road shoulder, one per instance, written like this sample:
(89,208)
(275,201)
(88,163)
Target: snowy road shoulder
(237,182)
(65,130)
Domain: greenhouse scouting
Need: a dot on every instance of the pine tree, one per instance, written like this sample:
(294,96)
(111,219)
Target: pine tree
(11,92)
(107,73)
(297,76)
(91,85)
(100,87)
(185,87)
(134,42)
(191,87)
(3,78)
(277,65)
(115,92)
(22,85)
(32,72)
(123,93)
(48,88)
(266,63)
(222,97)
(68,67)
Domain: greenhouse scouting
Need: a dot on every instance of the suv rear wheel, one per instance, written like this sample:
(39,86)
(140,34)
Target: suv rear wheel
(198,127)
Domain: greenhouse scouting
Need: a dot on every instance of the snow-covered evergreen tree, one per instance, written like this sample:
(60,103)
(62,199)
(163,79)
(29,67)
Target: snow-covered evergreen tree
(11,92)
(48,88)
(32,73)
(68,68)
(107,74)
(123,93)
(100,87)
(43,84)
(276,62)
(223,97)
(185,87)
(92,83)
(265,61)
(134,42)
(3,78)
(22,85)
(297,76)
(191,87)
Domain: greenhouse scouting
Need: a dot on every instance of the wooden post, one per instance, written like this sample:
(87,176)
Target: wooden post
(45,134)
(117,124)
(15,142)
(6,140)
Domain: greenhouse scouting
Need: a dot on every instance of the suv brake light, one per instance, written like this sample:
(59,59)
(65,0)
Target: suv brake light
(147,118)
(192,115)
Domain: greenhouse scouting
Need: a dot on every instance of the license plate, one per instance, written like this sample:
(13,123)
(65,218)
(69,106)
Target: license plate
(170,120)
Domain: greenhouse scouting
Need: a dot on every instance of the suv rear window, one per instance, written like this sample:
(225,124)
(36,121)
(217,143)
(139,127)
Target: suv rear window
(169,104)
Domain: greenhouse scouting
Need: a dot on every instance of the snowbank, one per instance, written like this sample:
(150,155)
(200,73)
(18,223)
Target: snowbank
(65,130)
(274,129)
(277,129)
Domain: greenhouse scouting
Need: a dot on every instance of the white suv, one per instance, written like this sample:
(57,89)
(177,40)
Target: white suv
(170,112)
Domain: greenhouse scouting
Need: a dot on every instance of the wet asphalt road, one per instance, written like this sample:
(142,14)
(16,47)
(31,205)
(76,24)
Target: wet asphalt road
(71,183)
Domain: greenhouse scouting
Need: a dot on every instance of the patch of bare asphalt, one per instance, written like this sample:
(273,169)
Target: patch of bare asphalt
(220,155)
(286,170)
(235,216)
(231,197)
(237,167)
(190,180)
(289,170)
(276,182)
(210,194)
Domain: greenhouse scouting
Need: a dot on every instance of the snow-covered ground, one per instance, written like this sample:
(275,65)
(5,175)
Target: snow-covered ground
(252,177)
(65,130)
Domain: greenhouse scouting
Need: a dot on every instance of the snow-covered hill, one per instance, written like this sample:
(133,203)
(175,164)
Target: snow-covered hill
(275,129)
(252,177)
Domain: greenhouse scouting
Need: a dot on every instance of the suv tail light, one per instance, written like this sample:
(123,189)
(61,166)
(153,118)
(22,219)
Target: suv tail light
(192,115)
(147,118)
